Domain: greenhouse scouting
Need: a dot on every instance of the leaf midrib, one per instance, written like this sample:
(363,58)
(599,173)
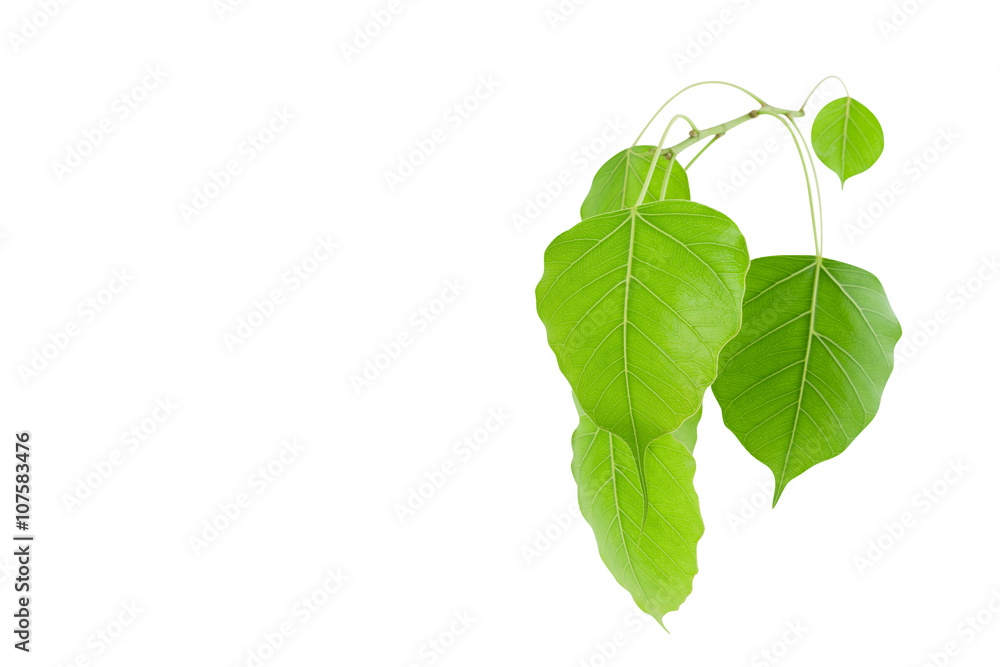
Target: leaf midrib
(628,394)
(778,487)
(618,511)
(628,160)
(843,145)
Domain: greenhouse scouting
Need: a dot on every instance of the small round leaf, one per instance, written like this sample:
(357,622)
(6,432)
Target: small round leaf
(847,137)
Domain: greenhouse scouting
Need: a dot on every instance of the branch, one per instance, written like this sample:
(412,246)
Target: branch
(722,128)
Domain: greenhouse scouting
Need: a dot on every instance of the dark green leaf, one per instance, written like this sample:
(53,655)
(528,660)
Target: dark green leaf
(806,372)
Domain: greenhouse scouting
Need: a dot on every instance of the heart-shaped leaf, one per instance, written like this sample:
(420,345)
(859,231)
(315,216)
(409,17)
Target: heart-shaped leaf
(651,554)
(806,372)
(847,137)
(637,305)
(619,181)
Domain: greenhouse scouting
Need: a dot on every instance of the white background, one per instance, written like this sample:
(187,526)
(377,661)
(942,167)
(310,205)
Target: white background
(468,549)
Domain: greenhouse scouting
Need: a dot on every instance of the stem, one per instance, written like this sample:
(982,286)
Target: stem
(785,116)
(805,170)
(656,158)
(690,122)
(832,76)
(815,175)
(666,180)
(693,85)
(703,149)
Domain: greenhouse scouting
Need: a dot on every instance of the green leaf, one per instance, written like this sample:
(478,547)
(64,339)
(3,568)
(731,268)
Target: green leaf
(847,137)
(619,181)
(637,305)
(806,372)
(652,555)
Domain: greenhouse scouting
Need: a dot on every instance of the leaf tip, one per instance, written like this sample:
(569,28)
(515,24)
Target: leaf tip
(659,620)
(779,487)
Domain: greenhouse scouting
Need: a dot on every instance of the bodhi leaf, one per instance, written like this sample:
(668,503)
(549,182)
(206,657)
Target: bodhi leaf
(637,305)
(619,181)
(847,137)
(806,372)
(652,555)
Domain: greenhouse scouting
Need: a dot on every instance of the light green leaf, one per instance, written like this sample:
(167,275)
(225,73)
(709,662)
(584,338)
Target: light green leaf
(847,137)
(619,181)
(637,305)
(806,372)
(653,556)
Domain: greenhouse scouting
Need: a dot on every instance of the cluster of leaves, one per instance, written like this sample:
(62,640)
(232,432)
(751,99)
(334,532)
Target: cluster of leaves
(653,298)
